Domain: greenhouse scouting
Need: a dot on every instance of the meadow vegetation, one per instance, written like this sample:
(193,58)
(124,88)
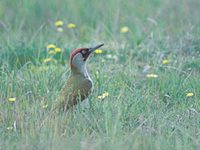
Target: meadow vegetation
(146,78)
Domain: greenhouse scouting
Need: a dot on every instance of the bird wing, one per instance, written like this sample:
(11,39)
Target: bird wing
(76,89)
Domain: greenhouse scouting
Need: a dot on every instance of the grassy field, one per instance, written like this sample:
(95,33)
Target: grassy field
(149,68)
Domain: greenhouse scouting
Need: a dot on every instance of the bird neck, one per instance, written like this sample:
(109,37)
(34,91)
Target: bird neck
(80,71)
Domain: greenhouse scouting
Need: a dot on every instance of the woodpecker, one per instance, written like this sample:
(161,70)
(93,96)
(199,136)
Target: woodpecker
(79,84)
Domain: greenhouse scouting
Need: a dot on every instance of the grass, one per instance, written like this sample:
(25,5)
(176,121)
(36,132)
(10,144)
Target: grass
(139,112)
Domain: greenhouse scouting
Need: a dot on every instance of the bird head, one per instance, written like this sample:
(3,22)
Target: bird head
(79,58)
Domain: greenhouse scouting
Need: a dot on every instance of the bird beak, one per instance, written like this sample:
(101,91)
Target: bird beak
(94,48)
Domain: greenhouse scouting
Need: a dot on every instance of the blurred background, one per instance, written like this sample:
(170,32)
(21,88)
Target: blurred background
(29,26)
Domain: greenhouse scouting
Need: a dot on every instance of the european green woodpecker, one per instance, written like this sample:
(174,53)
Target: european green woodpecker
(79,84)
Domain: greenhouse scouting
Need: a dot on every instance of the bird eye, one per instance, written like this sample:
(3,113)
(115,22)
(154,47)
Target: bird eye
(83,52)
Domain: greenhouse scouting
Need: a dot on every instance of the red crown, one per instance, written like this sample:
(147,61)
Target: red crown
(74,52)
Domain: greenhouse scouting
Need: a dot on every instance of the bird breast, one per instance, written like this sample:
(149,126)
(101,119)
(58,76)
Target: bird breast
(76,89)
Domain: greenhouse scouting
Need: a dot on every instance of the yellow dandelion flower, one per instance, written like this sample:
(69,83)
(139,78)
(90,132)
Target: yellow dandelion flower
(165,62)
(51,52)
(124,29)
(60,29)
(98,51)
(105,94)
(12,99)
(151,75)
(51,46)
(100,97)
(190,94)
(57,50)
(9,128)
(71,25)
(47,60)
(45,106)
(59,23)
